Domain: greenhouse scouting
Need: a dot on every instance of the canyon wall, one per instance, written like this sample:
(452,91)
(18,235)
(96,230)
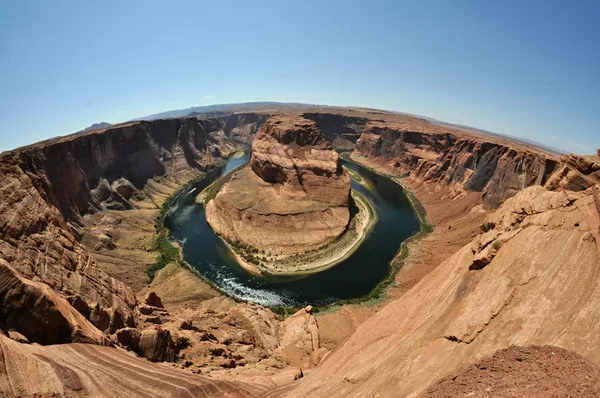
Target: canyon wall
(497,169)
(241,127)
(341,130)
(48,187)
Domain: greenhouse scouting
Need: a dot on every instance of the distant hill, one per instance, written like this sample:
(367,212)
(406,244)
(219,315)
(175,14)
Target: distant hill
(96,126)
(224,107)
(535,144)
(217,109)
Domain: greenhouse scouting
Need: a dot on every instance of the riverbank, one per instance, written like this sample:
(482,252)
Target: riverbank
(450,218)
(316,260)
(211,191)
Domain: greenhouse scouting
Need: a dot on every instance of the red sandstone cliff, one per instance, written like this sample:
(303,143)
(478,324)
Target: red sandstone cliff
(497,169)
(48,187)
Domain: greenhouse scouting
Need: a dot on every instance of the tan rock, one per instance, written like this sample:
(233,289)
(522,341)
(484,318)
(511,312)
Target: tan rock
(299,338)
(38,313)
(18,337)
(540,288)
(293,197)
(84,370)
(157,345)
(287,376)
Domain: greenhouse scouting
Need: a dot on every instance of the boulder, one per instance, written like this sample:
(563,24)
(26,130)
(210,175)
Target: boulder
(287,376)
(153,300)
(123,187)
(129,337)
(157,345)
(102,192)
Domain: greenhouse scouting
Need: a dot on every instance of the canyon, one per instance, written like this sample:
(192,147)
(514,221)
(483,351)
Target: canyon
(513,260)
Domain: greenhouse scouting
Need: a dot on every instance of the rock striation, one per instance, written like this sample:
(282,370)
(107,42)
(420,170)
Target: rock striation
(535,283)
(48,188)
(294,196)
(84,370)
(477,163)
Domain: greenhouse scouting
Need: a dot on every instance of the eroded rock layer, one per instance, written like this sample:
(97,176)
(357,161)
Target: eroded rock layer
(293,197)
(46,190)
(496,168)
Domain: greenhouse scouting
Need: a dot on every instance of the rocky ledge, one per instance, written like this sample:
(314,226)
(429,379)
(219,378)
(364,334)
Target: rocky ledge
(293,197)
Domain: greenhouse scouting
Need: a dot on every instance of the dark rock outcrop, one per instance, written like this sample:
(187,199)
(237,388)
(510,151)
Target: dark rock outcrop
(341,130)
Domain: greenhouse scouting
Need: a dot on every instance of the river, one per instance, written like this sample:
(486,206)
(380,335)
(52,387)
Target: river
(355,277)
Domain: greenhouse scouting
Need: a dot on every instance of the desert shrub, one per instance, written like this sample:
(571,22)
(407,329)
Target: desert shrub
(165,254)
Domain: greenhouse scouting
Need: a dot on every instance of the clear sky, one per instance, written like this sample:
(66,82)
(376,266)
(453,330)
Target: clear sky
(526,68)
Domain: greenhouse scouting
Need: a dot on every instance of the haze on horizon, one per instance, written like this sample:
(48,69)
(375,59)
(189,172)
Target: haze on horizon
(529,69)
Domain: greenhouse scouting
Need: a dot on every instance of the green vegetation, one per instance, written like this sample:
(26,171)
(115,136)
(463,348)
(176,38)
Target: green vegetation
(357,177)
(166,253)
(496,245)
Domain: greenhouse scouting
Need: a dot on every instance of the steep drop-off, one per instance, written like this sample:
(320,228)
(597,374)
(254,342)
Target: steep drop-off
(48,187)
(476,163)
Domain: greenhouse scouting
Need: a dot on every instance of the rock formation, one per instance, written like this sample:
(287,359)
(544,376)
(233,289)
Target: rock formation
(293,197)
(537,285)
(48,187)
(84,370)
(497,169)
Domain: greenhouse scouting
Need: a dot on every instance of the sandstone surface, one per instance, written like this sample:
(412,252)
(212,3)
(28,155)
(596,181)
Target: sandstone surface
(539,287)
(293,197)
(84,370)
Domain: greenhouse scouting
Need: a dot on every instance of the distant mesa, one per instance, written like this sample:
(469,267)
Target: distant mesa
(293,197)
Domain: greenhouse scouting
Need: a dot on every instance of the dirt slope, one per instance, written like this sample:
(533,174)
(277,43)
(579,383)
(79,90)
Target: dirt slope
(516,372)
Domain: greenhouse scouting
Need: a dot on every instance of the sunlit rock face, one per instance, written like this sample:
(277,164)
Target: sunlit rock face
(294,195)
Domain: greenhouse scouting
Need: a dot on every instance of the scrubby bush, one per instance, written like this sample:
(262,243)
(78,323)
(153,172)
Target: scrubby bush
(166,253)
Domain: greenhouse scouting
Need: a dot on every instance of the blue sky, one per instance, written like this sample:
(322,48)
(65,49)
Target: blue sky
(525,68)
